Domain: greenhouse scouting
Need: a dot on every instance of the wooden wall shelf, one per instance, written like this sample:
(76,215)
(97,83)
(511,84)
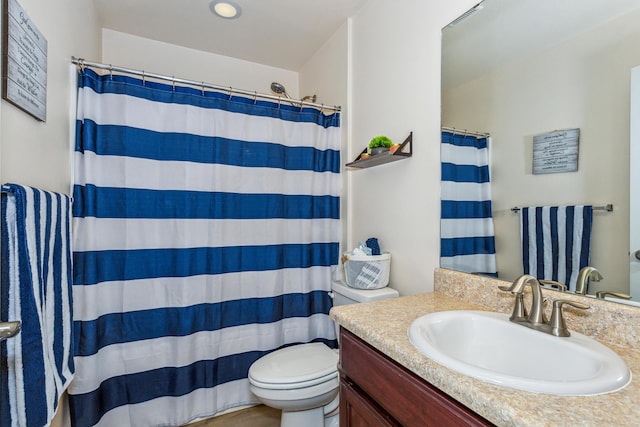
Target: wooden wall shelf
(383,158)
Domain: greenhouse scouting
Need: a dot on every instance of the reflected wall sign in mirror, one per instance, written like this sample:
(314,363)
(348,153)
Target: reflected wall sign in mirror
(517,69)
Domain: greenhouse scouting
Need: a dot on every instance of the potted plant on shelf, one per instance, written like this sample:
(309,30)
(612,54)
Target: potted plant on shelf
(379,144)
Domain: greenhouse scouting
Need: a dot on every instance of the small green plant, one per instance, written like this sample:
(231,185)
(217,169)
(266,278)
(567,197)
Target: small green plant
(380,141)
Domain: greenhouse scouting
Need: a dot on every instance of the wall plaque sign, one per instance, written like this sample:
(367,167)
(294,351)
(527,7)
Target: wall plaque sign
(556,151)
(24,61)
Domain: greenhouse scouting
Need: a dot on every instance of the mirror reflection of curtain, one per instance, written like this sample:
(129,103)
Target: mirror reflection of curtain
(467,240)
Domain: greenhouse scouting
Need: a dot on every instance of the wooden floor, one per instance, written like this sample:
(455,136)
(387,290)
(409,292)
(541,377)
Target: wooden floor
(257,416)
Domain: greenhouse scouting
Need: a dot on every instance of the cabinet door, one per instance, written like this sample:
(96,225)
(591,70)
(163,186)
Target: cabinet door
(406,398)
(358,410)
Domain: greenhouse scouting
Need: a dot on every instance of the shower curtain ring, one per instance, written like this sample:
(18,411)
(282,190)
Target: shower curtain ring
(173,80)
(143,78)
(202,88)
(110,72)
(230,93)
(255,97)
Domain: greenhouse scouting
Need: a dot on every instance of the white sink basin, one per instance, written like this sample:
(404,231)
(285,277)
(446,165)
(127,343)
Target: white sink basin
(487,346)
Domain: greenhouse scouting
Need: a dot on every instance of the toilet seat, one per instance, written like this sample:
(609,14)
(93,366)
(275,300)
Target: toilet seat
(294,367)
(293,385)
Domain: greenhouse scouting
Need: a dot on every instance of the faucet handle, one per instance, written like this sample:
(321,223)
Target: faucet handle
(552,284)
(558,326)
(602,294)
(506,288)
(519,311)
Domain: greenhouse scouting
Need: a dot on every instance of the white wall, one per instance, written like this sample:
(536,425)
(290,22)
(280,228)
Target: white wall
(39,154)
(396,89)
(393,87)
(35,153)
(582,83)
(138,53)
(326,74)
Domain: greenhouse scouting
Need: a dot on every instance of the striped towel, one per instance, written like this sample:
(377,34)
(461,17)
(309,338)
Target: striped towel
(368,277)
(556,242)
(36,290)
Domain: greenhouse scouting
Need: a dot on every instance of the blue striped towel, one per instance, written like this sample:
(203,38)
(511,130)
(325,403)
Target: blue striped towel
(36,290)
(556,242)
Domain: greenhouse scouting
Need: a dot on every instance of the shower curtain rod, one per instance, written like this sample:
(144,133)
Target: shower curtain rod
(82,63)
(466,132)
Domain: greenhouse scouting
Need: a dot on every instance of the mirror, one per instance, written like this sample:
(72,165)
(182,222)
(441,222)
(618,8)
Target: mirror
(520,69)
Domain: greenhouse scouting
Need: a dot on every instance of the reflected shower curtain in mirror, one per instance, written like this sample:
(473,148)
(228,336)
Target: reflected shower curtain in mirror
(206,234)
(467,240)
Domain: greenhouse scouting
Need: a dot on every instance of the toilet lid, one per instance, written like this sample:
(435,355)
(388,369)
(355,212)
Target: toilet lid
(296,364)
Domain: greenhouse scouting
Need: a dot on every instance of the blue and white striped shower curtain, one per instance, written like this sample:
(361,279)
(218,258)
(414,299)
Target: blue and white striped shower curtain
(467,240)
(205,235)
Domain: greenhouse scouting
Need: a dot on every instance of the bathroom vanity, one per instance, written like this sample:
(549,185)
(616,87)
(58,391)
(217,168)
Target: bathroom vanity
(377,391)
(386,381)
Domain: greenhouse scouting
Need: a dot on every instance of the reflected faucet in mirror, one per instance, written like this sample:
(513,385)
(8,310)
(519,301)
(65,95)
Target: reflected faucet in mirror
(587,274)
(552,284)
(602,294)
(591,273)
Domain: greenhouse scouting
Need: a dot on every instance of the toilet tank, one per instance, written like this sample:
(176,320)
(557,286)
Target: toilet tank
(342,294)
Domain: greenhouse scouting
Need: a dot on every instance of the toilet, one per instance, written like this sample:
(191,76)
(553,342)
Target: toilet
(302,380)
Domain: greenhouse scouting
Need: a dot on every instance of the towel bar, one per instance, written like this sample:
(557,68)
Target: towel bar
(607,208)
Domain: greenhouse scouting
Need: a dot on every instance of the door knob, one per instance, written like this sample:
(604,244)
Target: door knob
(8,329)
(637,254)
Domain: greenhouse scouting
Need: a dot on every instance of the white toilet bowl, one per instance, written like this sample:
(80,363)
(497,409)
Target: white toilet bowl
(300,380)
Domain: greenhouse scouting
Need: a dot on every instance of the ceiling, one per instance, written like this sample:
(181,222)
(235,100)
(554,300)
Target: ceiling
(286,33)
(506,30)
(280,33)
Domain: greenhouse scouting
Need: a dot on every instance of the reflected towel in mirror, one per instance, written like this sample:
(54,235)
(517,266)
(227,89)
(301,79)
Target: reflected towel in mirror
(556,241)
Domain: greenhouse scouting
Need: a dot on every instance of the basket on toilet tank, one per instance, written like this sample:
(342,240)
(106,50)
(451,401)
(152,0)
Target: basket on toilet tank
(366,271)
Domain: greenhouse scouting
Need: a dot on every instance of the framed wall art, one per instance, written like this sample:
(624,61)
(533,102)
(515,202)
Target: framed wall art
(24,62)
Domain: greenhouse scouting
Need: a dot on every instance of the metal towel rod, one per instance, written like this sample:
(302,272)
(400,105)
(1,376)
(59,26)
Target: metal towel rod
(607,208)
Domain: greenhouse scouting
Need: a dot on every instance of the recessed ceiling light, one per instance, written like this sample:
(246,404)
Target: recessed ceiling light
(225,9)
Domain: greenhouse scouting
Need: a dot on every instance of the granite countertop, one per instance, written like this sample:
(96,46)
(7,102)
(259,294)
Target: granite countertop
(384,325)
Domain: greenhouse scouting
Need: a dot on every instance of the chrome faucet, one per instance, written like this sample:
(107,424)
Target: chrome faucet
(536,318)
(584,276)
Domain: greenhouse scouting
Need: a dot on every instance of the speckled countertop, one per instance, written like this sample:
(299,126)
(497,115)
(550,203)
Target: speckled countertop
(384,325)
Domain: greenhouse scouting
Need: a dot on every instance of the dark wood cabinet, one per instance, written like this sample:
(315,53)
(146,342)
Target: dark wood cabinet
(377,391)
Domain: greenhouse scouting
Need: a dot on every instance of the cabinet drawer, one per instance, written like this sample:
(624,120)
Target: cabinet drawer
(405,396)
